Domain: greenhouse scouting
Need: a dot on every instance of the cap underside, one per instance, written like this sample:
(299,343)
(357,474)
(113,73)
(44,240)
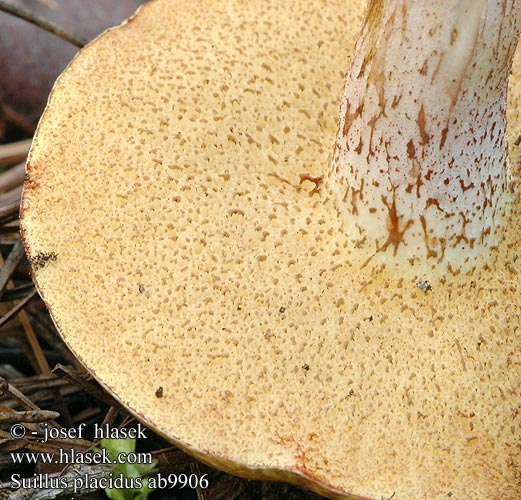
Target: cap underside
(178,246)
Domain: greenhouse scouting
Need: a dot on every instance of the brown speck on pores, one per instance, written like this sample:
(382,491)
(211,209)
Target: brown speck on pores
(424,285)
(159,392)
(236,211)
(316,180)
(41,259)
(141,288)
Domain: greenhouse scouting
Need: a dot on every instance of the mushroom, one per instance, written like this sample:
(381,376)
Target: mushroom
(346,320)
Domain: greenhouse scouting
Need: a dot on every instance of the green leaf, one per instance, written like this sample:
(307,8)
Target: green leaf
(116,447)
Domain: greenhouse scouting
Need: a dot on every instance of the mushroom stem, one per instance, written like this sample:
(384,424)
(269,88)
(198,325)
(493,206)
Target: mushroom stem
(421,172)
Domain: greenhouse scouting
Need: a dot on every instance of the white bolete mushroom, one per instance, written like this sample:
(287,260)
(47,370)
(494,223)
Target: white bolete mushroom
(348,320)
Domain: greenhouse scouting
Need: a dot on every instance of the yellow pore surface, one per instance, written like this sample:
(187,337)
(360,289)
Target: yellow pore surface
(177,249)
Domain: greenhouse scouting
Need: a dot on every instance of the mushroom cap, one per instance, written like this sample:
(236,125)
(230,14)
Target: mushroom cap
(190,265)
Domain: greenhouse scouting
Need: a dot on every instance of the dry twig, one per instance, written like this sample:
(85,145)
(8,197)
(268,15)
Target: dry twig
(29,16)
(16,309)
(31,416)
(13,152)
(15,256)
(72,477)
